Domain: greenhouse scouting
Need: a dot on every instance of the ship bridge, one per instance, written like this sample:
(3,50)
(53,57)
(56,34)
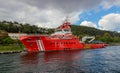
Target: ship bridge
(65,28)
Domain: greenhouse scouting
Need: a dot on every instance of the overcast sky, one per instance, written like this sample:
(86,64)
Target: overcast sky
(101,14)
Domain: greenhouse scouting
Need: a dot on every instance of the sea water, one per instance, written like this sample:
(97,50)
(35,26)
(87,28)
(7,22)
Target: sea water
(105,60)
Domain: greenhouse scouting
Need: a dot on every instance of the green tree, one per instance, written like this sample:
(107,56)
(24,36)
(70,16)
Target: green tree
(106,38)
(7,40)
(116,39)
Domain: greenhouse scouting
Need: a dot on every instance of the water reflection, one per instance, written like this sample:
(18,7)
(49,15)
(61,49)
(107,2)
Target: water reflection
(30,58)
(63,61)
(33,58)
(86,61)
(61,56)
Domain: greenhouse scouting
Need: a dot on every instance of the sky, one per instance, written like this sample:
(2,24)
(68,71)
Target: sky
(100,14)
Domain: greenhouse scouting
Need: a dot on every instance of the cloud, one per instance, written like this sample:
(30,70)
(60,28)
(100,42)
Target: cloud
(63,5)
(49,13)
(88,23)
(110,22)
(109,3)
(45,13)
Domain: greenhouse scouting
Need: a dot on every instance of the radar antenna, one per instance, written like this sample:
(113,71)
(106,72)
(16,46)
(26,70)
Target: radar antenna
(66,20)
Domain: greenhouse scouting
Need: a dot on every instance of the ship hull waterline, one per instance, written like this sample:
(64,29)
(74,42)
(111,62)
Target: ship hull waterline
(43,43)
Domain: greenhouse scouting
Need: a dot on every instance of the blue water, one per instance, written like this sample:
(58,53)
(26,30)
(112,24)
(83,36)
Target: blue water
(106,60)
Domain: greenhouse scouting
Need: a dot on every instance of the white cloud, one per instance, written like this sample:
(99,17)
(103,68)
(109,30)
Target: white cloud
(110,22)
(88,23)
(45,13)
(48,13)
(109,3)
(118,31)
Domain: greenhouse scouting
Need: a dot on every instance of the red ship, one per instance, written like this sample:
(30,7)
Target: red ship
(62,39)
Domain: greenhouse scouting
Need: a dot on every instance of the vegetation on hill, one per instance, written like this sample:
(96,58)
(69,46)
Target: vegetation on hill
(15,27)
(102,35)
(83,30)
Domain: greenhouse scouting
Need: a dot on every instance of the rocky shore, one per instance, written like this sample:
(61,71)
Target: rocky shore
(9,52)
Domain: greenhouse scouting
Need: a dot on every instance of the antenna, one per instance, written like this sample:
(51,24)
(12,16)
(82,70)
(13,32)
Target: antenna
(66,20)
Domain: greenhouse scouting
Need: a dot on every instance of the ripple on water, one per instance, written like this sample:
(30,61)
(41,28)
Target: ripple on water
(106,60)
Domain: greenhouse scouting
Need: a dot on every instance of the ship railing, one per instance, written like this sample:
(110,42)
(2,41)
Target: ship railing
(37,35)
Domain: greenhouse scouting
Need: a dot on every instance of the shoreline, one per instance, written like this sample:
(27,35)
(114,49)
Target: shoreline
(11,48)
(10,52)
(19,50)
(114,44)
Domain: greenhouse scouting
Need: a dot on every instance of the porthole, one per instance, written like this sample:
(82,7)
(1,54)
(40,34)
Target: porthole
(29,39)
(31,44)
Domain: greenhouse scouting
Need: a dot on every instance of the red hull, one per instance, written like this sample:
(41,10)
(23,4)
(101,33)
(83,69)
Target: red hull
(44,43)
(94,46)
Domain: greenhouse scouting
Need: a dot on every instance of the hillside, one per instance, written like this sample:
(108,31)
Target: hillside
(83,30)
(102,35)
